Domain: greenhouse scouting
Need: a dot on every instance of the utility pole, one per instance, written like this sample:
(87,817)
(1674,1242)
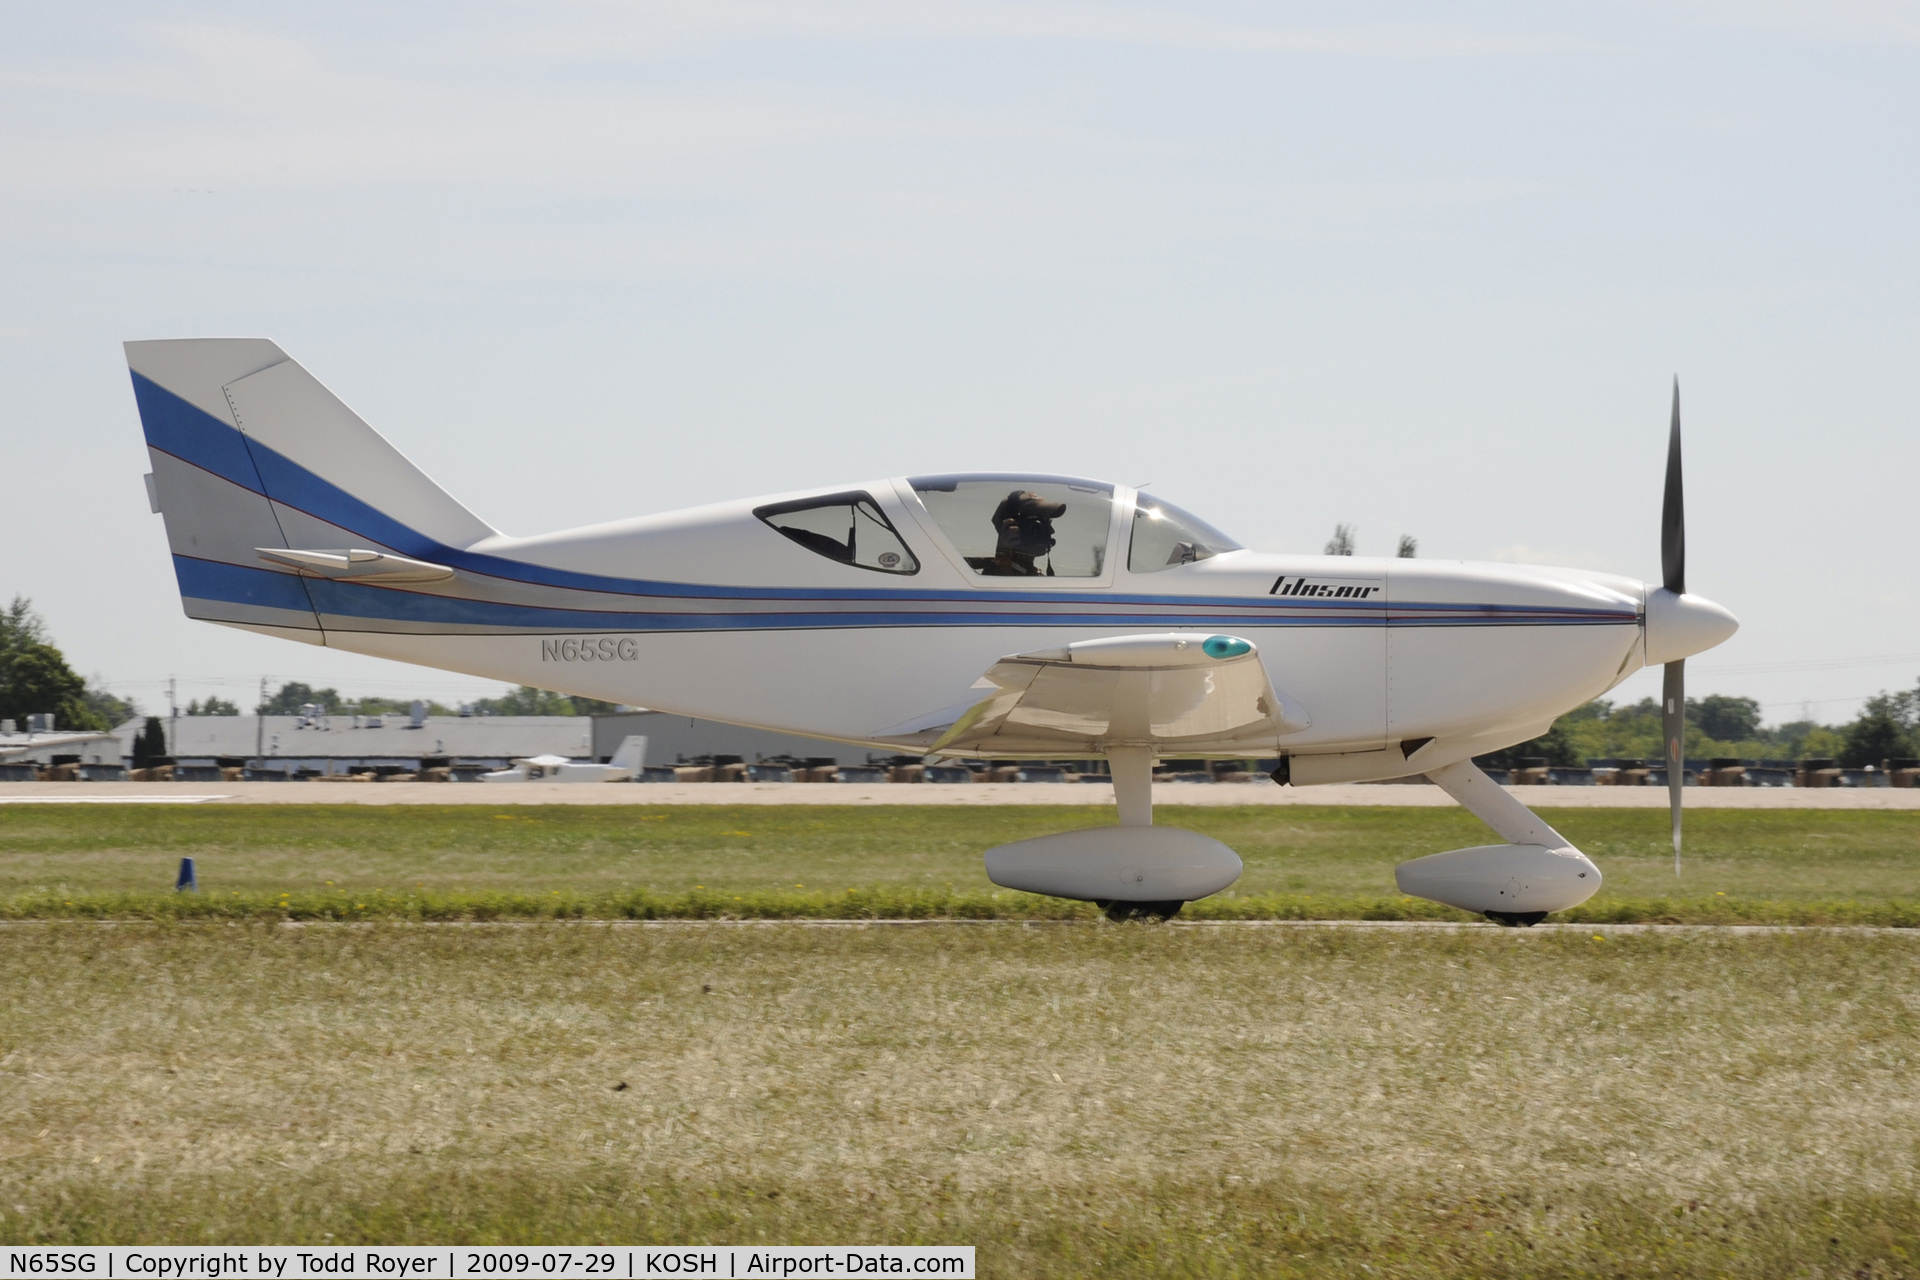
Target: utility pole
(173,718)
(260,727)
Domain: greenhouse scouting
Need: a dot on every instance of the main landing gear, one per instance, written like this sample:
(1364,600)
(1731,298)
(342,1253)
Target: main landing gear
(1515,919)
(1132,770)
(1135,871)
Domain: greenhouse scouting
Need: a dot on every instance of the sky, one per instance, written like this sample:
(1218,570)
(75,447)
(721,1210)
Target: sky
(1425,269)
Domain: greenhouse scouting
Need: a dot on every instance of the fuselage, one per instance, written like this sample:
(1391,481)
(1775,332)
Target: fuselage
(711,612)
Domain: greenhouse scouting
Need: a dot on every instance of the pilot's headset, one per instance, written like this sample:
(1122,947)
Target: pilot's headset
(1024,522)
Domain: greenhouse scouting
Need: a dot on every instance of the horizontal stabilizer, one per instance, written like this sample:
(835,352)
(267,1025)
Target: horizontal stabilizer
(356,565)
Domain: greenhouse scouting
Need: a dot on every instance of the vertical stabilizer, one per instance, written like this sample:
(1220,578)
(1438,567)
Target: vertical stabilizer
(251,453)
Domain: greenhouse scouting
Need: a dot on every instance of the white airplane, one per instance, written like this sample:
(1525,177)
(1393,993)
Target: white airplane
(14,744)
(968,615)
(624,766)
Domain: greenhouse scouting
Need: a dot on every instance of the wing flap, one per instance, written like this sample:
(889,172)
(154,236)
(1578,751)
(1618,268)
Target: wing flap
(1171,691)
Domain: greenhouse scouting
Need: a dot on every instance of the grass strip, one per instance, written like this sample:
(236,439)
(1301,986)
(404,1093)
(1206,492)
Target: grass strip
(893,902)
(1128,1101)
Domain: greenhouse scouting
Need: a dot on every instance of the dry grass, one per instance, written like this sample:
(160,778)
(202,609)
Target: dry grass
(1210,1100)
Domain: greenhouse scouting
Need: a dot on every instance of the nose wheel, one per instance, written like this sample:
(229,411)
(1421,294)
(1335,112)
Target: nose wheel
(1120,912)
(1516,919)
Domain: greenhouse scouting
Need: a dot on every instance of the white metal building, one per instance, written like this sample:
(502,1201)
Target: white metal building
(324,744)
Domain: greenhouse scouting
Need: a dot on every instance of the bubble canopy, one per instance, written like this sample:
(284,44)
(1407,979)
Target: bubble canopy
(1022,526)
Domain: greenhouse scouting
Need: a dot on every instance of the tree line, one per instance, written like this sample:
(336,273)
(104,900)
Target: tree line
(1887,728)
(291,698)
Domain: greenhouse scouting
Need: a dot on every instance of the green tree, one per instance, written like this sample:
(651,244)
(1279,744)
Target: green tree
(1725,718)
(212,707)
(529,701)
(36,680)
(109,708)
(20,626)
(1877,734)
(1341,543)
(1718,725)
(293,695)
(593,706)
(150,744)
(1556,746)
(34,676)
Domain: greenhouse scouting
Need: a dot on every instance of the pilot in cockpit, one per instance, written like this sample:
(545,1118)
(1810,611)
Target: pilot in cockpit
(1023,528)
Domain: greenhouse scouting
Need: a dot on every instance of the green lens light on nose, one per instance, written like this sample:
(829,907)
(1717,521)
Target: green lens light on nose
(1224,646)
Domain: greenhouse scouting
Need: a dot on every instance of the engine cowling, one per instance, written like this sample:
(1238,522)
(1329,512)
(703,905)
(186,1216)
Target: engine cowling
(1117,864)
(1506,879)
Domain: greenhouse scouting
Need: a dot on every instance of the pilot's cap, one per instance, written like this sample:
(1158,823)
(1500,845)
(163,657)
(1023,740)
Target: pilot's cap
(1022,502)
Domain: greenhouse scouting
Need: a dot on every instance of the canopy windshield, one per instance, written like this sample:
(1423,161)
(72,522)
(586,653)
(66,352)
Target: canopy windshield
(1165,536)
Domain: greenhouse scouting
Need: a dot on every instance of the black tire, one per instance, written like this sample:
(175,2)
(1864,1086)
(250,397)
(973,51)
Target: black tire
(1120,912)
(1516,919)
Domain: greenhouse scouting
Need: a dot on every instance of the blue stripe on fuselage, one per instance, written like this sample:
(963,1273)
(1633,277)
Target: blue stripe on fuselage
(216,580)
(238,584)
(188,432)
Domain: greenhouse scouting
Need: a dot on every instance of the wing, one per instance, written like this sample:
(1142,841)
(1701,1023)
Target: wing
(1178,692)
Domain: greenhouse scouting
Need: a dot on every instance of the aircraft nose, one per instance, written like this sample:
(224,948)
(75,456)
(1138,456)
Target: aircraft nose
(1679,626)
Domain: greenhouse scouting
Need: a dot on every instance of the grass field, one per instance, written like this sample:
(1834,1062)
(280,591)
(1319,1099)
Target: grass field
(1075,1099)
(473,862)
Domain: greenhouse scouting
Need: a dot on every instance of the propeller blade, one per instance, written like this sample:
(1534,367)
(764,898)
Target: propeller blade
(1673,728)
(1673,514)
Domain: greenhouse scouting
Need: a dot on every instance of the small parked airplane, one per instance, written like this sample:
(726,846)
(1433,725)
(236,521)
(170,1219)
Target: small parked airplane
(624,766)
(986,615)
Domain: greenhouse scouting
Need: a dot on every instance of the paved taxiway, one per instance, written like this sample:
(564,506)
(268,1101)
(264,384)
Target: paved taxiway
(1085,793)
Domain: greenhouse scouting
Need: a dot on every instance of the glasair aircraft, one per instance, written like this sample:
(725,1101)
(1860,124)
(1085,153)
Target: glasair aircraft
(987,615)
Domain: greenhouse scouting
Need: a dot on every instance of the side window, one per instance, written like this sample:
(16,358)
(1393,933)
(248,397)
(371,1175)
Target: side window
(847,527)
(1022,526)
(1165,536)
